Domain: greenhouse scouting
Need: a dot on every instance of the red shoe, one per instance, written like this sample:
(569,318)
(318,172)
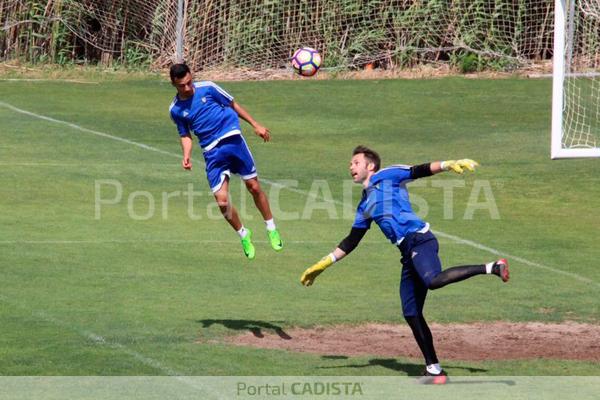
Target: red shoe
(500,268)
(432,379)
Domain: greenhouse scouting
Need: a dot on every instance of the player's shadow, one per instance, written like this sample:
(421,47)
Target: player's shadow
(393,364)
(256,327)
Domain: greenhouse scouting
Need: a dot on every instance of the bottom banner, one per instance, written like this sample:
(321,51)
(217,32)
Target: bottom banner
(298,387)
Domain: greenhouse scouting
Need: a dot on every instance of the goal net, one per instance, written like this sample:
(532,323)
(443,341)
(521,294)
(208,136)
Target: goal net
(261,35)
(576,88)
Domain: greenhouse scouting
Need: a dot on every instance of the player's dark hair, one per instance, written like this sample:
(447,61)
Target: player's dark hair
(178,71)
(370,155)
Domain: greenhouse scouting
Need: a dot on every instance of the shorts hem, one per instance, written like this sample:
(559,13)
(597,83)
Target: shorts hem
(249,176)
(217,187)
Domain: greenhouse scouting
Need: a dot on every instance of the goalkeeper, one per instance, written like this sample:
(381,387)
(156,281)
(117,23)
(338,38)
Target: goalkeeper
(385,201)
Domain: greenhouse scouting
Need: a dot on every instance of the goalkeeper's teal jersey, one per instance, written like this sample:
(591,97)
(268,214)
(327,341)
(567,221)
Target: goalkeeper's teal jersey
(386,202)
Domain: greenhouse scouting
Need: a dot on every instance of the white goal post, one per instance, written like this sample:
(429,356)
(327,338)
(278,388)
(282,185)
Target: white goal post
(576,79)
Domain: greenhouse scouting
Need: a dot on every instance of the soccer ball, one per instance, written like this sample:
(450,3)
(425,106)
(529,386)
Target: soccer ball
(306,61)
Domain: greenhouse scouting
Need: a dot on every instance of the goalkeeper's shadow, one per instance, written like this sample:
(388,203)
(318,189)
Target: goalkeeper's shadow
(393,364)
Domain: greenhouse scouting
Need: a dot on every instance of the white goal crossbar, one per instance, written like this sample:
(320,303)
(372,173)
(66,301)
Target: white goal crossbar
(576,81)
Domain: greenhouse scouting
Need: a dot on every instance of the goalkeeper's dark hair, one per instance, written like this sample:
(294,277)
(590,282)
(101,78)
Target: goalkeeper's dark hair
(178,71)
(370,155)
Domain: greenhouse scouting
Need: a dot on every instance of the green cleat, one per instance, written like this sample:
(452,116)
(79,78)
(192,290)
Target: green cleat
(275,240)
(248,246)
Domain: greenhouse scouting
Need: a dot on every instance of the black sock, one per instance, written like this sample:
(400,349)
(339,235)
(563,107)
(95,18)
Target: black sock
(456,274)
(423,337)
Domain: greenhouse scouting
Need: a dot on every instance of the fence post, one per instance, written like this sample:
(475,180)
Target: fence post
(179,32)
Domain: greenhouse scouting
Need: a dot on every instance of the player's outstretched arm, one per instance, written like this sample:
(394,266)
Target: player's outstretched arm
(311,273)
(457,166)
(260,130)
(344,248)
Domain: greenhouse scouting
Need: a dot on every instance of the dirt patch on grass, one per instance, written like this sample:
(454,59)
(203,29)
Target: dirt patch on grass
(474,342)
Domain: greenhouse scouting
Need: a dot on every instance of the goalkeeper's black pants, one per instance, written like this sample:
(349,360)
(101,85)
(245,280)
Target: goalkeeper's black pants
(422,270)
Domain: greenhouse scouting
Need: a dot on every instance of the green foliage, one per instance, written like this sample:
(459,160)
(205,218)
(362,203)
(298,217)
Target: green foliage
(137,56)
(469,62)
(61,46)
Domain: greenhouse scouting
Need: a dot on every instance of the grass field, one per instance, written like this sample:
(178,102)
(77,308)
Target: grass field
(118,295)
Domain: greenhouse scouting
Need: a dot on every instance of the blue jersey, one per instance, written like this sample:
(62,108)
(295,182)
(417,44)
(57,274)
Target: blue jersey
(386,202)
(208,114)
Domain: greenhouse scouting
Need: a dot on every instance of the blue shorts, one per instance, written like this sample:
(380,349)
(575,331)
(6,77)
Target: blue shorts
(420,264)
(231,155)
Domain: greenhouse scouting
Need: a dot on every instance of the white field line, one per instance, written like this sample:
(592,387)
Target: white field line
(98,339)
(93,337)
(49,80)
(458,239)
(183,241)
(516,258)
(81,164)
(93,132)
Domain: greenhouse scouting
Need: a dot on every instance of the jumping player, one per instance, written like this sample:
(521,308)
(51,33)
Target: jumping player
(213,116)
(385,201)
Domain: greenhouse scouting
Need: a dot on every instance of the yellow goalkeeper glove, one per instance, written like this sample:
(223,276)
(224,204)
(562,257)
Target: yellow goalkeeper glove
(309,276)
(459,166)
